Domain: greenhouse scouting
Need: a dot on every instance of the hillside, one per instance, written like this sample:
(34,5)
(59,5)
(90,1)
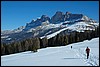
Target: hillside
(45,26)
(57,56)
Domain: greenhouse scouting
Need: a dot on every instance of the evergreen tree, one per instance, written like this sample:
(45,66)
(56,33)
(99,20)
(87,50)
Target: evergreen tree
(66,40)
(44,42)
(15,46)
(62,40)
(58,40)
(19,47)
(10,49)
(26,45)
(36,44)
(2,49)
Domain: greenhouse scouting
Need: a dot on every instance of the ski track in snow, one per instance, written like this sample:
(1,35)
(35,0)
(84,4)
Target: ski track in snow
(92,61)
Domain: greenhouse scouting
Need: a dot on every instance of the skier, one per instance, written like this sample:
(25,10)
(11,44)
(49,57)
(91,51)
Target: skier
(87,51)
(71,47)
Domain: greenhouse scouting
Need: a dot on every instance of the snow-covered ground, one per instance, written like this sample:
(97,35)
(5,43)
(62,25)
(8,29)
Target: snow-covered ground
(79,27)
(57,56)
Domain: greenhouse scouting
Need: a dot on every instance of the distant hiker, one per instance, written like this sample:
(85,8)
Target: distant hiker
(71,47)
(87,51)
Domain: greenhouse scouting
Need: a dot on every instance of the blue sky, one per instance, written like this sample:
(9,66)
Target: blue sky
(17,13)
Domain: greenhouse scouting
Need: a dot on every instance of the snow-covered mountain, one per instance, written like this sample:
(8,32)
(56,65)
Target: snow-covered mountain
(37,22)
(57,56)
(46,26)
(12,31)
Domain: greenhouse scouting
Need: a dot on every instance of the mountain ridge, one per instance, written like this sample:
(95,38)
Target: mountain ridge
(45,25)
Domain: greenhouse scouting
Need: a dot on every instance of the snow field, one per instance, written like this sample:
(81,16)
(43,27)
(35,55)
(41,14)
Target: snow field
(57,56)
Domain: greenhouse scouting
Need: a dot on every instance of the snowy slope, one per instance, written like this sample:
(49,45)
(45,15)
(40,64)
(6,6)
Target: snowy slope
(79,27)
(57,56)
(50,27)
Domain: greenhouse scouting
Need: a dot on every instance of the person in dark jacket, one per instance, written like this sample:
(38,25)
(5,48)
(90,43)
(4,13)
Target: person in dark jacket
(87,51)
(71,47)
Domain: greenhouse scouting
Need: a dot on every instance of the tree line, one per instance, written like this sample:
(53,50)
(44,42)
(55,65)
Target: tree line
(31,44)
(61,39)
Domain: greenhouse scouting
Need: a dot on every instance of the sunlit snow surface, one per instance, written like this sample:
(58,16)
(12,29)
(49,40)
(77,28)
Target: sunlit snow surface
(79,27)
(57,56)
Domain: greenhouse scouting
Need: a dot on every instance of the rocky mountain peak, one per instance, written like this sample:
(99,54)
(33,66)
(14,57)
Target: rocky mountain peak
(32,21)
(45,18)
(44,25)
(59,13)
(58,17)
(67,13)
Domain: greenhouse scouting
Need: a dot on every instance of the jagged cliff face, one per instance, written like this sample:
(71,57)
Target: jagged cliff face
(36,23)
(57,18)
(46,25)
(61,17)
